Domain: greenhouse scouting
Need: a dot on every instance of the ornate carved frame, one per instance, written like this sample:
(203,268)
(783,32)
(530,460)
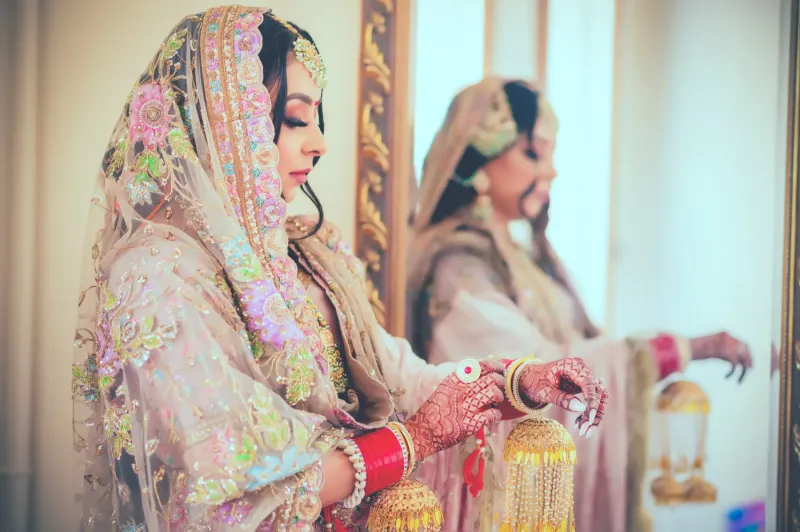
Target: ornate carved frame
(788,492)
(384,155)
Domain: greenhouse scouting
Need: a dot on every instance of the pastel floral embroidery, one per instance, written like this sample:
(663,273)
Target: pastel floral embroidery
(149,169)
(234,512)
(149,115)
(173,45)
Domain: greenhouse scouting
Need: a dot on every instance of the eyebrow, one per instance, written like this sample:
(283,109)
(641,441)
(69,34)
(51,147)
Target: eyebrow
(305,98)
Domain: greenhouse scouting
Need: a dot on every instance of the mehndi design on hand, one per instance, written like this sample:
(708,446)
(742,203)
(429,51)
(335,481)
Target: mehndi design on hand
(457,410)
(559,382)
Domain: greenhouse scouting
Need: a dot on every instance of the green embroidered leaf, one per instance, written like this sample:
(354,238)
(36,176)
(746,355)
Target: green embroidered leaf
(116,335)
(117,159)
(149,161)
(173,44)
(152,341)
(146,326)
(301,434)
(246,269)
(181,144)
(105,381)
(230,487)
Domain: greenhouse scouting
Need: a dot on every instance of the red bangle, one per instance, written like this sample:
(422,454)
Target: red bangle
(383,459)
(666,353)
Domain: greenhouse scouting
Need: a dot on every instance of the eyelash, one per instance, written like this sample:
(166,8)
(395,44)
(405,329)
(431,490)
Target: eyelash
(294,122)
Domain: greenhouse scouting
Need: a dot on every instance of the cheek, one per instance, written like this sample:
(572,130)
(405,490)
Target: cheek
(286,154)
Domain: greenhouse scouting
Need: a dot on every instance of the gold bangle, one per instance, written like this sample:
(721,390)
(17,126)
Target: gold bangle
(512,386)
(409,445)
(510,371)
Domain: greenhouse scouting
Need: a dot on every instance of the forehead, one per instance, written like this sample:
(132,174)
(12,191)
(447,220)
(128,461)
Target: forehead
(298,79)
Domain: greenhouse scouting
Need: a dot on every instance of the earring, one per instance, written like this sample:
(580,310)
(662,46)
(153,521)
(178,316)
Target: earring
(482,208)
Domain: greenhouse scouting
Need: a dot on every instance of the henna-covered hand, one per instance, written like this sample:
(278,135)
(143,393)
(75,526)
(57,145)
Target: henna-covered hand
(456,411)
(559,383)
(724,347)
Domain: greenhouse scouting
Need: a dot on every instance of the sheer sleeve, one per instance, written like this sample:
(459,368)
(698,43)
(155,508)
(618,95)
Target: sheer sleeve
(409,374)
(476,316)
(189,402)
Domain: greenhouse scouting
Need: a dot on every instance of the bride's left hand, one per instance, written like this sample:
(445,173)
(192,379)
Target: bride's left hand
(559,382)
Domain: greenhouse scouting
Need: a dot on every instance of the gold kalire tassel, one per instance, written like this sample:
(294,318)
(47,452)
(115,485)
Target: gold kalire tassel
(541,459)
(406,506)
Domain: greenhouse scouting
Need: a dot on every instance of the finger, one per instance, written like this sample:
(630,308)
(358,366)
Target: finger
(601,410)
(490,396)
(492,415)
(592,391)
(492,366)
(559,398)
(484,383)
(745,368)
(499,380)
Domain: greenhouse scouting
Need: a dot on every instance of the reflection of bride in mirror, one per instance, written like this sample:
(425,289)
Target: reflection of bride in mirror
(474,290)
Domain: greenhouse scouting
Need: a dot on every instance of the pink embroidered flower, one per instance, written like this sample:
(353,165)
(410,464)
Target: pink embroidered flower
(149,115)
(234,512)
(248,42)
(255,101)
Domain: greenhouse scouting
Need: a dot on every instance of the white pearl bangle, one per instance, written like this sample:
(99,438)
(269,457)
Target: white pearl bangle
(352,451)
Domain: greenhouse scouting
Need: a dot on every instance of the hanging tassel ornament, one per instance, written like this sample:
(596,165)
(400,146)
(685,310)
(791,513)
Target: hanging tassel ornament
(406,506)
(474,481)
(541,460)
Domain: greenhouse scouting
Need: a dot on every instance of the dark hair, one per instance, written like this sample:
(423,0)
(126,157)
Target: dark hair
(524,103)
(278,41)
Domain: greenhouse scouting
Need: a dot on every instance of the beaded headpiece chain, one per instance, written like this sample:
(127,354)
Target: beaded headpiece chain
(307,54)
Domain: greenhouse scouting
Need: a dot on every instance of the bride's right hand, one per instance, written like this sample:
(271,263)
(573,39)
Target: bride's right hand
(456,411)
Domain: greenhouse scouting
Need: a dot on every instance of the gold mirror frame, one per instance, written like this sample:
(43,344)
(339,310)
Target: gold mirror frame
(788,492)
(384,155)
(383,191)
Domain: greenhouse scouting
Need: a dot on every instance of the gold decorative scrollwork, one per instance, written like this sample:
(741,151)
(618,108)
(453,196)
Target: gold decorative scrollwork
(374,158)
(382,150)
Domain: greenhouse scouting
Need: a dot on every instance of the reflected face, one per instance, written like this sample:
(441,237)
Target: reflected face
(511,175)
(301,138)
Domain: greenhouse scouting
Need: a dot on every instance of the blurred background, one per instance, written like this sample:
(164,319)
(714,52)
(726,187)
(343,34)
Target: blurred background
(668,208)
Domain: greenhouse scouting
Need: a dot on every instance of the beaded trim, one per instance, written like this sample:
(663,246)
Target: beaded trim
(349,447)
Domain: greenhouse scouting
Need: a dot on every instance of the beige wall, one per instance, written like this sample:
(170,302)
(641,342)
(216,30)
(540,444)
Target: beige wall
(89,54)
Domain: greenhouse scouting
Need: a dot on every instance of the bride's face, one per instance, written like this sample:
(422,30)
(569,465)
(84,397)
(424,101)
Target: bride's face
(300,138)
(512,174)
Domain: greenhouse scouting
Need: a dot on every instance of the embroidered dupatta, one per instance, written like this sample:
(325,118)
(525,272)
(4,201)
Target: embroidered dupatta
(202,393)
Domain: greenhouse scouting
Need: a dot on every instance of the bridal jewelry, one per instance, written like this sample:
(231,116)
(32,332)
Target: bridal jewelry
(468,370)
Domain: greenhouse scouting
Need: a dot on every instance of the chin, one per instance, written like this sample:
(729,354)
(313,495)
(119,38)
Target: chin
(532,210)
(289,194)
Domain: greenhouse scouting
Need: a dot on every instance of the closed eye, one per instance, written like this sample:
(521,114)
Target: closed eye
(294,122)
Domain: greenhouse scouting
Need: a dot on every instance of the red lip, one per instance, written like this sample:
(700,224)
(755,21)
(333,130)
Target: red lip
(301,176)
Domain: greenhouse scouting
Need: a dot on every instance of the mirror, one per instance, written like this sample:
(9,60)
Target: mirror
(669,211)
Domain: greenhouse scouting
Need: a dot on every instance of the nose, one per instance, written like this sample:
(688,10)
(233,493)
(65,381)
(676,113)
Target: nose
(315,146)
(548,174)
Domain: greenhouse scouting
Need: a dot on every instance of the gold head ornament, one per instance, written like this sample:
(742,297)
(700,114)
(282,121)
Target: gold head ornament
(306,53)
